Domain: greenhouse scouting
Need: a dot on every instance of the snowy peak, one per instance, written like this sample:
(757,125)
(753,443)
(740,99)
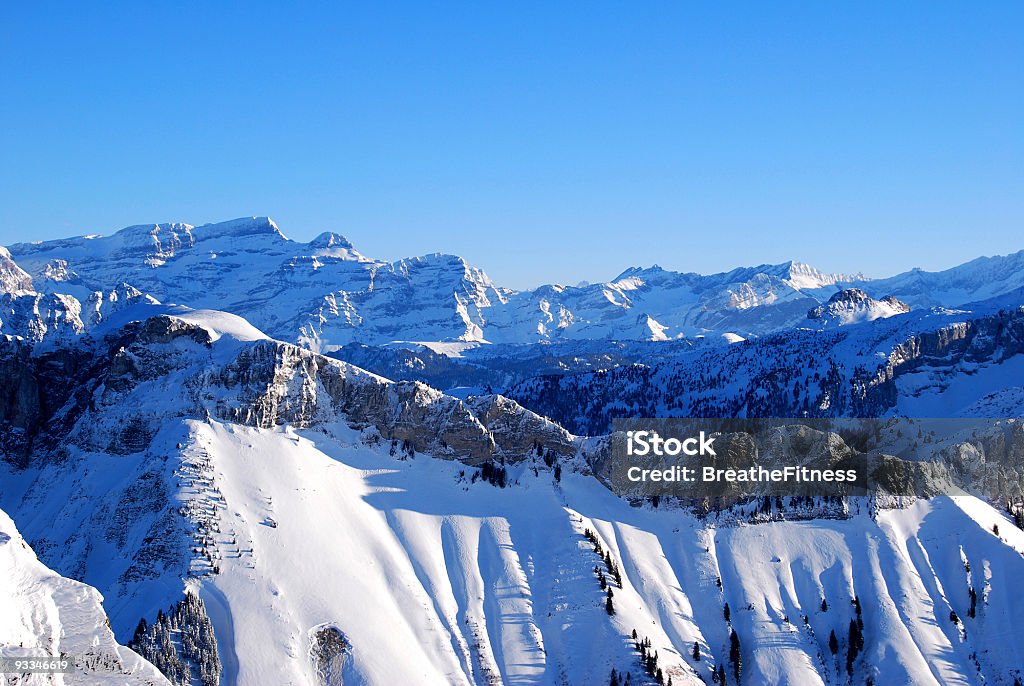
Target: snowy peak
(154,244)
(13,278)
(240,228)
(980,279)
(641,275)
(853,305)
(330,244)
(803,276)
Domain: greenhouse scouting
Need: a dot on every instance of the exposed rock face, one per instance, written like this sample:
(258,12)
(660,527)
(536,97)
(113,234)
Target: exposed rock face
(520,431)
(994,338)
(260,383)
(275,383)
(58,318)
(330,652)
(833,372)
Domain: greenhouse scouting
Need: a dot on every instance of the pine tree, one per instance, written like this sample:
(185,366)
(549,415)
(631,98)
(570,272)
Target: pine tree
(726,612)
(833,642)
(824,605)
(696,652)
(735,655)
(856,644)
(140,630)
(614,681)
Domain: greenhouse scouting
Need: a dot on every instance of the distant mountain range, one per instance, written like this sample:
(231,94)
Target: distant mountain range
(325,293)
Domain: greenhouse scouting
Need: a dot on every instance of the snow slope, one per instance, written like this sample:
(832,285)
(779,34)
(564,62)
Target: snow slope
(436,578)
(45,614)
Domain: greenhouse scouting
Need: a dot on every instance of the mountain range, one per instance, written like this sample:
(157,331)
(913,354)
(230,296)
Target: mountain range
(282,462)
(325,294)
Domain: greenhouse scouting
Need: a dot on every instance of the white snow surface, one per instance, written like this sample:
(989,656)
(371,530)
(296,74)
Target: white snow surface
(45,614)
(437,581)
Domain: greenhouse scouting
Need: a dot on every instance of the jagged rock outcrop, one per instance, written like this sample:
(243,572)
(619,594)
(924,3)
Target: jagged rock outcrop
(262,383)
(842,371)
(330,651)
(994,338)
(520,431)
(852,305)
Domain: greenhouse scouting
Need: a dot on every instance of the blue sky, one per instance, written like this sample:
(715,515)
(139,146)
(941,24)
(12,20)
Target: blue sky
(542,143)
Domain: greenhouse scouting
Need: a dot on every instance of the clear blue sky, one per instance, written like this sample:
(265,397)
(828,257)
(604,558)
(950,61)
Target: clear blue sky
(544,142)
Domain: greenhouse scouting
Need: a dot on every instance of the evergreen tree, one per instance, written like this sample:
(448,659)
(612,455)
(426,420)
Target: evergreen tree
(735,655)
(824,605)
(856,644)
(140,630)
(833,642)
(696,652)
(726,612)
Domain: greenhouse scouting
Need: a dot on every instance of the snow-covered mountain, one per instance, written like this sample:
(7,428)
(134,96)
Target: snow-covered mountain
(980,279)
(43,614)
(324,294)
(920,364)
(852,305)
(254,511)
(341,528)
(310,292)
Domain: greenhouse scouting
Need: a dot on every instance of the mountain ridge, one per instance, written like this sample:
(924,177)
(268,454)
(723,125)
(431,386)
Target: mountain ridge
(336,295)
